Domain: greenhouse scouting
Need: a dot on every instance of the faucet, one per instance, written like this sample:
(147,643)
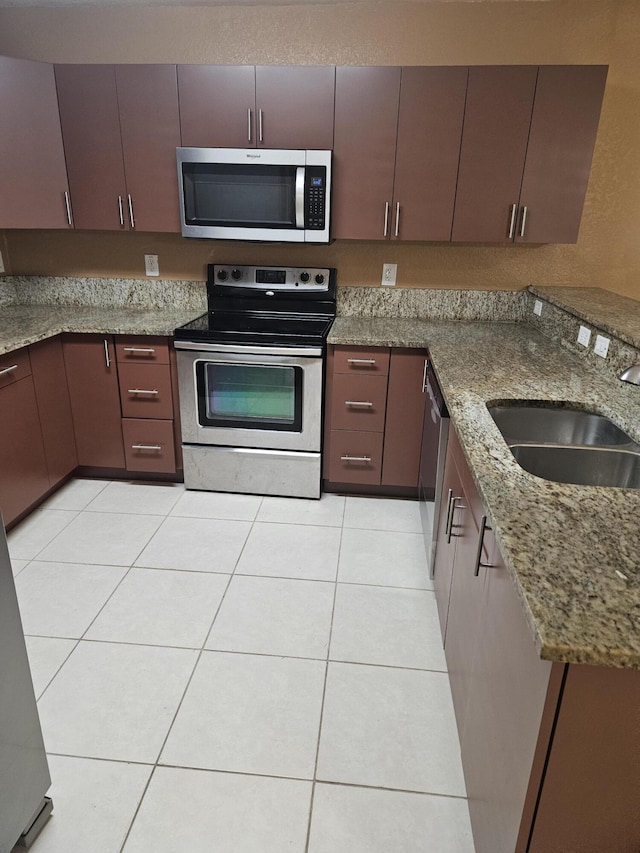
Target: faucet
(631,374)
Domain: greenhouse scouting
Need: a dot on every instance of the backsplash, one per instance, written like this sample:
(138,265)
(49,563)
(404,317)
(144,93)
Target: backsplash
(500,305)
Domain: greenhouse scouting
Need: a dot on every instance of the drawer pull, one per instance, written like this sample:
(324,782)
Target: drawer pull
(364,404)
(142,391)
(146,447)
(361,361)
(150,350)
(8,369)
(355,458)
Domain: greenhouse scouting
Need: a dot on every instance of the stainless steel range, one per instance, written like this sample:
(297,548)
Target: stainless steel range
(251,378)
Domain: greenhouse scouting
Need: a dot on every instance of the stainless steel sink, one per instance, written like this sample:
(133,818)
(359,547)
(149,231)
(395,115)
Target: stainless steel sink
(569,445)
(582,466)
(574,427)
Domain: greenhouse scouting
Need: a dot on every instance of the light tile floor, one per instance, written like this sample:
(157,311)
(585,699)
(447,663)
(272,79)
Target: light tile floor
(236,674)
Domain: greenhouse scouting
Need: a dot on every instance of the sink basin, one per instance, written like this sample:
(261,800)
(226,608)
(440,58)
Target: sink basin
(552,425)
(582,466)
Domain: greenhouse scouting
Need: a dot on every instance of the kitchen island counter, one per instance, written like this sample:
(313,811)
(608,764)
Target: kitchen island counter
(564,545)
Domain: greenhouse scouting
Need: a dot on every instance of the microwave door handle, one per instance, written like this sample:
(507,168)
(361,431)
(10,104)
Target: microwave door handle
(300,197)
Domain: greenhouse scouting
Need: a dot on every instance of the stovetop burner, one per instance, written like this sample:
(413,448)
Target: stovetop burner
(265,305)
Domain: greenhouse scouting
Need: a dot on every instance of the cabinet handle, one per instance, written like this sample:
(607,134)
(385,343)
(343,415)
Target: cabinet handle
(259,125)
(146,447)
(150,350)
(397,218)
(365,404)
(107,358)
(449,499)
(141,391)
(67,204)
(120,211)
(424,375)
(483,526)
(524,220)
(8,369)
(386,218)
(130,203)
(361,361)
(248,124)
(451,512)
(512,221)
(355,458)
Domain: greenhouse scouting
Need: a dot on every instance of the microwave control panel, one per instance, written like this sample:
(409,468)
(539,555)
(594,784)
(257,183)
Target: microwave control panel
(315,197)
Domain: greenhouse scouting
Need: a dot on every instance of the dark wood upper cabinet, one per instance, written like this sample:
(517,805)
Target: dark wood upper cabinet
(428,151)
(91,131)
(150,129)
(217,105)
(403,424)
(565,119)
(269,106)
(120,128)
(494,144)
(33,176)
(366,120)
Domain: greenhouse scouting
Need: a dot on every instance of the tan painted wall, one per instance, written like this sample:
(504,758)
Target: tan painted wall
(555,31)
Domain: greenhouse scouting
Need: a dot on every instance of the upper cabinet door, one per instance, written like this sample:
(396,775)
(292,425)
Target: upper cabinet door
(91,132)
(563,135)
(150,128)
(33,176)
(366,120)
(217,106)
(428,152)
(494,145)
(294,106)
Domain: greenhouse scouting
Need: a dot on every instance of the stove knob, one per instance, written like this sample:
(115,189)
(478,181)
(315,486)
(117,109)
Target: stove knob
(319,279)
(222,275)
(304,277)
(236,274)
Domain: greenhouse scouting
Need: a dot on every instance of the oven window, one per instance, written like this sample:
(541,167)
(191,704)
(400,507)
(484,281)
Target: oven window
(250,396)
(239,196)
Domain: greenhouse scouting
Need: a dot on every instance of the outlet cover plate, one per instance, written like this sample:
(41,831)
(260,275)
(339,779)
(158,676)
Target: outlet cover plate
(389,272)
(601,346)
(537,307)
(1,263)
(151,265)
(584,336)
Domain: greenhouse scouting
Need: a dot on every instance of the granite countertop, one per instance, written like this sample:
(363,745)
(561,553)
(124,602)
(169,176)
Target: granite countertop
(22,325)
(563,544)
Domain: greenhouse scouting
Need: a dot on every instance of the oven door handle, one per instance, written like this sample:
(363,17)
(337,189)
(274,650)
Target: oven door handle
(241,349)
(300,197)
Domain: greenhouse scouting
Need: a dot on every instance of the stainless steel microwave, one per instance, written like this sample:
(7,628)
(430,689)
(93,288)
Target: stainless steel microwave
(255,194)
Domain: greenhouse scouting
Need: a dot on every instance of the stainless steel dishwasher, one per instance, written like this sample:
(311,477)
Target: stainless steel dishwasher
(24,773)
(435,434)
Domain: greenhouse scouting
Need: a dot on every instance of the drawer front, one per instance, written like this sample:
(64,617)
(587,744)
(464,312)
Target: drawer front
(148,445)
(355,457)
(361,360)
(358,402)
(145,391)
(142,349)
(14,366)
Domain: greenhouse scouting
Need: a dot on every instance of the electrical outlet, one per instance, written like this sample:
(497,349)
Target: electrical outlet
(389,273)
(537,307)
(1,264)
(584,336)
(151,265)
(601,346)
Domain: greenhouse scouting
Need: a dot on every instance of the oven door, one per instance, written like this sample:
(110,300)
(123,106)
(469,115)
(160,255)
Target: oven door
(244,396)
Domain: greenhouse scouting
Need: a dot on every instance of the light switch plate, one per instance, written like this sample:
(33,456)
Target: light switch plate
(601,346)
(537,307)
(151,265)
(584,336)
(389,272)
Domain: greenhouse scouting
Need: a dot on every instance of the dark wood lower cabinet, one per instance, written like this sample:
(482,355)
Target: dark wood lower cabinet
(550,751)
(22,461)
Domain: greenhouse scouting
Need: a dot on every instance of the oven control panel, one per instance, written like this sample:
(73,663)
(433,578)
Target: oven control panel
(291,279)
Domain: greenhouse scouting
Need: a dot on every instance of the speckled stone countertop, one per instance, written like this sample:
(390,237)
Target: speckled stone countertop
(21,325)
(561,543)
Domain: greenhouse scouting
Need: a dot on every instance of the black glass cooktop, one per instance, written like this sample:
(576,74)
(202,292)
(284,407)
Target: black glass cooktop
(249,327)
